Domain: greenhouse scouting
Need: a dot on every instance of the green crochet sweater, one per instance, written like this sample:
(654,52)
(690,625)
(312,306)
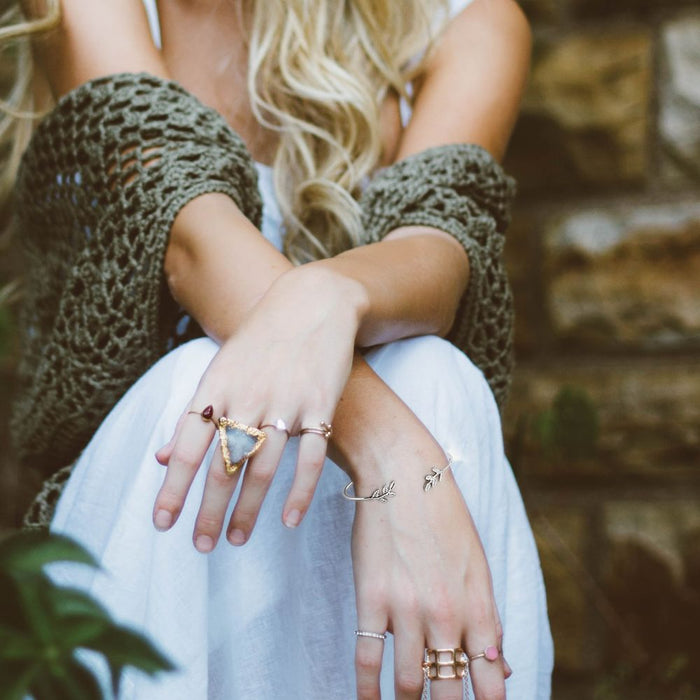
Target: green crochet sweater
(98,189)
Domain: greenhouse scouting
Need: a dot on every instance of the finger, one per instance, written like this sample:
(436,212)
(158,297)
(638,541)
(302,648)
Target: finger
(257,478)
(446,688)
(507,670)
(368,653)
(310,460)
(409,652)
(163,454)
(187,454)
(488,677)
(218,489)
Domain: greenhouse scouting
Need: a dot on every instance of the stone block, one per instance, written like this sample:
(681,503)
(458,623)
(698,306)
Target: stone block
(637,9)
(647,577)
(543,11)
(522,257)
(585,116)
(562,540)
(679,99)
(625,277)
(648,418)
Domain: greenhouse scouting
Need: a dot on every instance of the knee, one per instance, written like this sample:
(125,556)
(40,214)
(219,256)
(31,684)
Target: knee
(430,364)
(440,384)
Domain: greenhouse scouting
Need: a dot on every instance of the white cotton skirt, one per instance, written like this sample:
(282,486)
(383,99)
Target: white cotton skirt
(276,617)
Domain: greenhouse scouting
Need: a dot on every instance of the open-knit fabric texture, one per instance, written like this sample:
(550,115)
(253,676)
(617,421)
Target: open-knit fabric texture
(98,189)
(462,190)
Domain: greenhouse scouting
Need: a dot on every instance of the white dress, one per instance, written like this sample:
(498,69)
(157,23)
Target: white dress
(275,619)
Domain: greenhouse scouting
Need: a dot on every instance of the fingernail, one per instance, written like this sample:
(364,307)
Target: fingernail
(204,544)
(293,518)
(163,520)
(236,537)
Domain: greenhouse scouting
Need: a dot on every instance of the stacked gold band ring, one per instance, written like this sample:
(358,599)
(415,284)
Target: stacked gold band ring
(325,430)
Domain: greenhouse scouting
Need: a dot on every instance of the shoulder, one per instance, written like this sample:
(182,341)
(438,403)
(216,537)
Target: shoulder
(491,20)
(473,80)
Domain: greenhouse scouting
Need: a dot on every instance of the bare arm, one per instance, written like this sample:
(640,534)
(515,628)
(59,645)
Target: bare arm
(410,283)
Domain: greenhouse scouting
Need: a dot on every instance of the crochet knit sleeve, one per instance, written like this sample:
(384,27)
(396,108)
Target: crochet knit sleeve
(459,189)
(100,184)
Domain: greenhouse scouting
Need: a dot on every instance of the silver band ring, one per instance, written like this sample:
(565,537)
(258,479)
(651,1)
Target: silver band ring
(279,424)
(325,430)
(373,635)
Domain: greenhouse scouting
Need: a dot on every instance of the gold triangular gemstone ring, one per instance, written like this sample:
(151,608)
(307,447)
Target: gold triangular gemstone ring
(239,442)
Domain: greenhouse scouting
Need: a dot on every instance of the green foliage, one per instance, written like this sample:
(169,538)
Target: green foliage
(42,625)
(570,427)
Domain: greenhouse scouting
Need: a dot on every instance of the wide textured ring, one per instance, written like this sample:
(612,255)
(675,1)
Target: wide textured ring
(373,635)
(279,424)
(239,442)
(445,664)
(491,653)
(325,430)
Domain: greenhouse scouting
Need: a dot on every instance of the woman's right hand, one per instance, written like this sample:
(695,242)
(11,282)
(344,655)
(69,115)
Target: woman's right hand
(289,359)
(421,573)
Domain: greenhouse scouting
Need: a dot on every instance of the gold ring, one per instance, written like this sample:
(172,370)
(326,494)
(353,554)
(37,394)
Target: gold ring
(445,664)
(279,424)
(238,443)
(490,653)
(325,430)
(207,413)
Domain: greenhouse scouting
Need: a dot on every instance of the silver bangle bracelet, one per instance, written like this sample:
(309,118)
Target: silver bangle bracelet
(435,475)
(382,494)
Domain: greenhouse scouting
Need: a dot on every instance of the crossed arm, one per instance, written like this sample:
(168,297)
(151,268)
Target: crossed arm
(409,284)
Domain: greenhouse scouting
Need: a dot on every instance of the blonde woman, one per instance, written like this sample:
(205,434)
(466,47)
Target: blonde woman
(259,566)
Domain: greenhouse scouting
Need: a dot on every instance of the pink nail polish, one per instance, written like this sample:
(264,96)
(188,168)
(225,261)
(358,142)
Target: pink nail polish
(293,518)
(236,537)
(204,544)
(163,520)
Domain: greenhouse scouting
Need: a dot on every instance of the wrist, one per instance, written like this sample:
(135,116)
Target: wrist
(377,437)
(353,292)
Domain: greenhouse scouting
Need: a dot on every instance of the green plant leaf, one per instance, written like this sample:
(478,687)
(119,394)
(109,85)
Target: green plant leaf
(11,613)
(15,678)
(76,617)
(72,602)
(77,681)
(19,647)
(36,608)
(568,429)
(575,423)
(124,647)
(29,552)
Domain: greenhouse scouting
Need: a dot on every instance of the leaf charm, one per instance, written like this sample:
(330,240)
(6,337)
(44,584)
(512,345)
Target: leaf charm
(384,493)
(432,479)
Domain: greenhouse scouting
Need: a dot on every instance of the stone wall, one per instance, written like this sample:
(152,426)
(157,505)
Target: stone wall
(603,426)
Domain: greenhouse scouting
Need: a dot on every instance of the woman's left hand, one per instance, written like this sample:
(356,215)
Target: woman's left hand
(289,359)
(421,573)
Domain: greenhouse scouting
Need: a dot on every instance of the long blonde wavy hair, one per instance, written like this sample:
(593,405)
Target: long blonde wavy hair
(318,73)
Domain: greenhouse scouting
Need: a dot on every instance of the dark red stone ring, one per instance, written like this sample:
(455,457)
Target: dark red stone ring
(207,414)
